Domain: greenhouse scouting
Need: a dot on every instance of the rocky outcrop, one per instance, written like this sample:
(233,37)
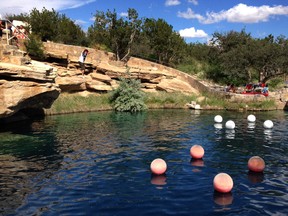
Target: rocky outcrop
(20,95)
(103,72)
(24,84)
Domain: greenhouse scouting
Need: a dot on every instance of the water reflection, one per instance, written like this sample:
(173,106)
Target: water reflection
(255,177)
(230,134)
(197,162)
(218,126)
(158,180)
(251,126)
(268,134)
(223,199)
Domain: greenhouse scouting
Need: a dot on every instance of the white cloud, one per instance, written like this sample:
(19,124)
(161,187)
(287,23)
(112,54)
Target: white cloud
(172,2)
(80,22)
(124,14)
(189,14)
(192,33)
(195,2)
(240,13)
(25,6)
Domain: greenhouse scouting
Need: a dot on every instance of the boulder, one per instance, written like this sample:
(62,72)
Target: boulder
(34,71)
(101,77)
(69,84)
(18,95)
(98,86)
(175,85)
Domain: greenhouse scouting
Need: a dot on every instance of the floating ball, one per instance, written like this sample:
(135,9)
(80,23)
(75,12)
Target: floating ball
(218,119)
(158,166)
(268,124)
(256,164)
(197,152)
(223,183)
(230,124)
(251,118)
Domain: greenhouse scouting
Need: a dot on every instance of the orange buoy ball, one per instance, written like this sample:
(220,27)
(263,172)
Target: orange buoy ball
(197,151)
(158,166)
(256,164)
(223,183)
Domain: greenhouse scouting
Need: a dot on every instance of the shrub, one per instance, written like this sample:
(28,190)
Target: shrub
(128,97)
(275,82)
(34,47)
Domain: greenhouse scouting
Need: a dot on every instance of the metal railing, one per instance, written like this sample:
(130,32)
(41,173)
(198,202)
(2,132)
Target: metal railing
(8,38)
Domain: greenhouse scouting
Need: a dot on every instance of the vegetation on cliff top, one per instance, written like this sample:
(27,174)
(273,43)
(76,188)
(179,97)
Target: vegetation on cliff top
(230,57)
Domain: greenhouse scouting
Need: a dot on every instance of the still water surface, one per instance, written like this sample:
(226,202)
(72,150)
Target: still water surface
(98,164)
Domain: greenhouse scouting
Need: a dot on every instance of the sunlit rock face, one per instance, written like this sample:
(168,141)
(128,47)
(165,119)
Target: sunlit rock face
(18,95)
(24,84)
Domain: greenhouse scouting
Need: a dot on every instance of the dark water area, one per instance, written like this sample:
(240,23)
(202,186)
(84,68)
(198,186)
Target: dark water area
(99,164)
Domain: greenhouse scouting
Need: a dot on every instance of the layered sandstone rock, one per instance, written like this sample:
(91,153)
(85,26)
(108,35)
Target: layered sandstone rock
(18,95)
(24,84)
(103,72)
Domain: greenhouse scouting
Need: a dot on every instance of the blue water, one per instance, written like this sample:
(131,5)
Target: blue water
(99,164)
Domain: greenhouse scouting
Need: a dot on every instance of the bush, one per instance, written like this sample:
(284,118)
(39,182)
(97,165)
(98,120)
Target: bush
(34,47)
(128,97)
(275,82)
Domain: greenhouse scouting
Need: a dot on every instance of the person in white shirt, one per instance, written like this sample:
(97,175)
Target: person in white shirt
(82,58)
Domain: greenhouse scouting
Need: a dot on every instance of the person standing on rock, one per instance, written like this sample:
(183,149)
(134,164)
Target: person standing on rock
(82,60)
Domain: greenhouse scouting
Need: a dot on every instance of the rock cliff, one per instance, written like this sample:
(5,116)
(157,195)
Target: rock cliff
(25,86)
(103,72)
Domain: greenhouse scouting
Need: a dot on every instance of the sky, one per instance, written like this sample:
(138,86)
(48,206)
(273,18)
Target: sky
(194,20)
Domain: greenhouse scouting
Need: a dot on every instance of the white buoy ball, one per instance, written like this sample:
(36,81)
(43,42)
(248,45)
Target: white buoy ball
(230,124)
(218,119)
(251,118)
(268,124)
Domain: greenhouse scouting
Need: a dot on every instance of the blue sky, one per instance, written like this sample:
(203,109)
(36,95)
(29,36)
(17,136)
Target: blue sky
(195,20)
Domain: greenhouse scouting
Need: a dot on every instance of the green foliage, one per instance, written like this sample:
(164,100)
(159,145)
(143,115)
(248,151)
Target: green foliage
(44,23)
(69,33)
(275,82)
(165,44)
(233,55)
(128,97)
(50,25)
(34,47)
(118,34)
(239,58)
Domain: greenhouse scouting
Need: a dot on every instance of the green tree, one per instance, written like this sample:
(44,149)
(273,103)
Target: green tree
(165,44)
(128,97)
(118,34)
(34,47)
(271,57)
(231,55)
(50,25)
(44,23)
(69,33)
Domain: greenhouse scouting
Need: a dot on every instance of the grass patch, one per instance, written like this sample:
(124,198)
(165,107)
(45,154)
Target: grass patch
(70,103)
(265,105)
(168,100)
